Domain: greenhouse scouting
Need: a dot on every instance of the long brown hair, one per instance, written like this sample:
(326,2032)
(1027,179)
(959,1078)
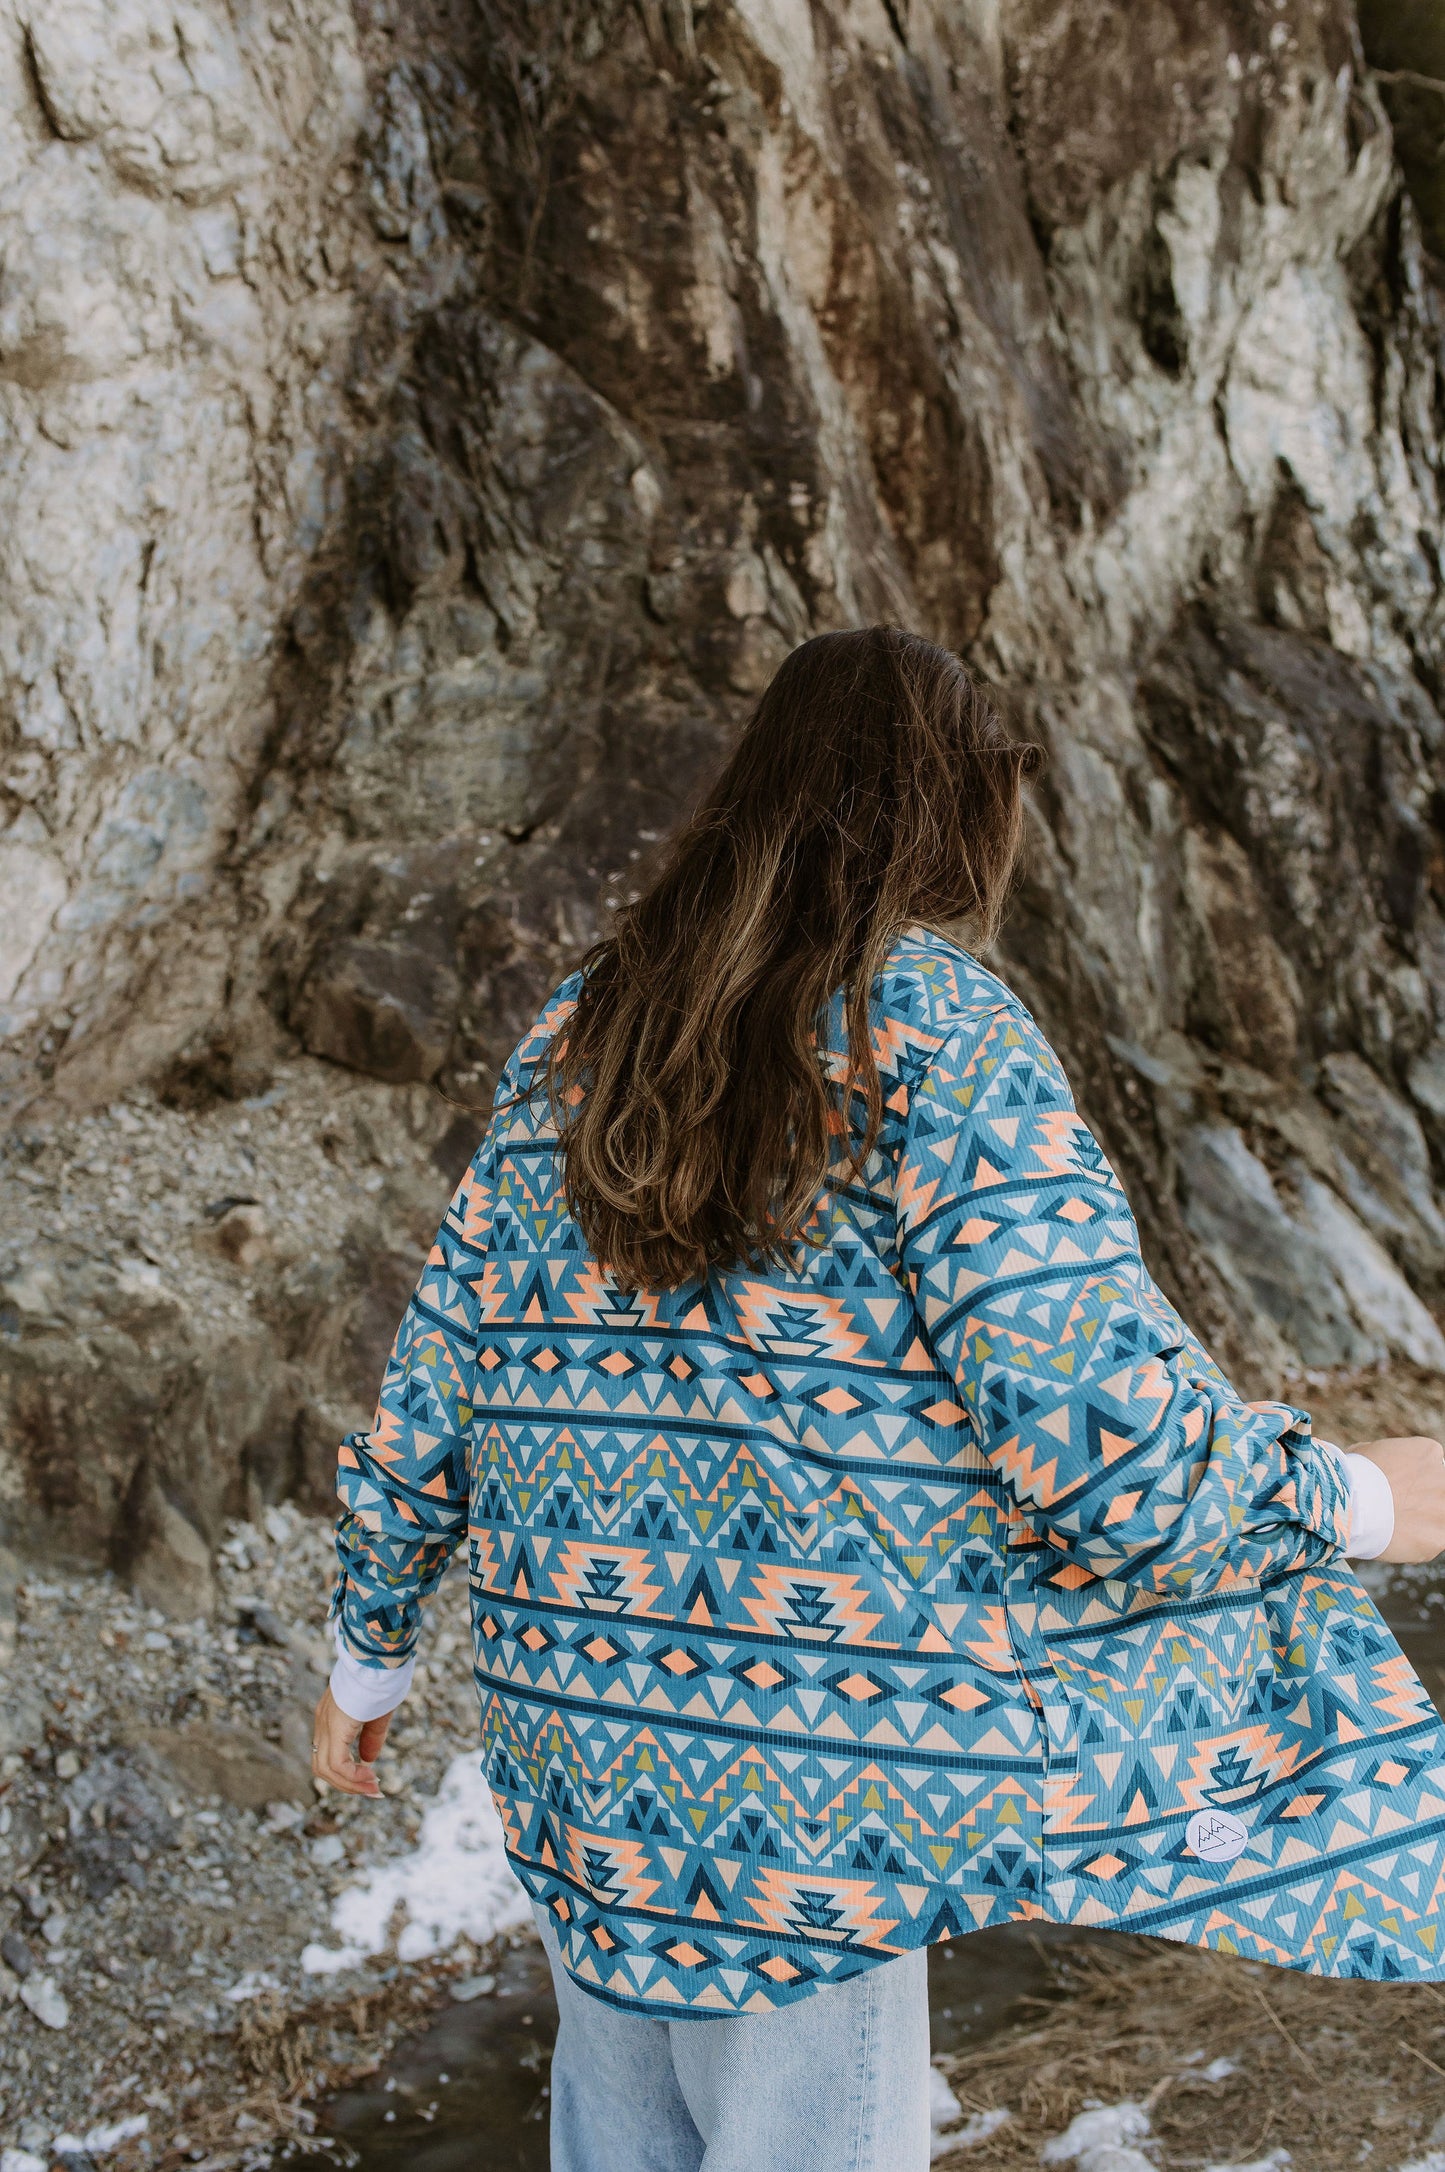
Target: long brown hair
(874,786)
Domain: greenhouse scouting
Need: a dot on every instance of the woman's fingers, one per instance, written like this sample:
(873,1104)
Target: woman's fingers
(1415,1467)
(344,1750)
(372,1736)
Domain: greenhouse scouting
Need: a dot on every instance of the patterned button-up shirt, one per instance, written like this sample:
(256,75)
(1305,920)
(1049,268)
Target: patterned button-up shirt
(943,1582)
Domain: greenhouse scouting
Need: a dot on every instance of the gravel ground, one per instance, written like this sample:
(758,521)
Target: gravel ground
(301,1156)
(164,1859)
(196,1305)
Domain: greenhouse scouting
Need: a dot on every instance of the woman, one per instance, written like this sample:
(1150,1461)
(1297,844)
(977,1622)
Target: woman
(862,1549)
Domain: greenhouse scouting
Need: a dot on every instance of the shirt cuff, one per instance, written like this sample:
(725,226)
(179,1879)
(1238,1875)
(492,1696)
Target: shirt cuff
(365,1691)
(1372,1506)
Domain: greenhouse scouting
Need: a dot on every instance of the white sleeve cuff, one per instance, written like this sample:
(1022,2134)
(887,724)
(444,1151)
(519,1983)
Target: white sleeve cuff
(1372,1506)
(366,1691)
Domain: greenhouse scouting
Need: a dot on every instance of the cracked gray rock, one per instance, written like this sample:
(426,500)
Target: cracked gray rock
(428,428)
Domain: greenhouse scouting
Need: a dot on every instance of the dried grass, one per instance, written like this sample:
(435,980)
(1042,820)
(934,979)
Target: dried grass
(1339,2073)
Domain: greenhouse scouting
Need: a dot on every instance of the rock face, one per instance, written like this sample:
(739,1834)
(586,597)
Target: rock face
(426,429)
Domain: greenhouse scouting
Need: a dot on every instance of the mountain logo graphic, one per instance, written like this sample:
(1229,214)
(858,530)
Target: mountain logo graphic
(1215,1836)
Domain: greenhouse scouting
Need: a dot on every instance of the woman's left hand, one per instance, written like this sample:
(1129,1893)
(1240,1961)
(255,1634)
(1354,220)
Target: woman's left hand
(343,1750)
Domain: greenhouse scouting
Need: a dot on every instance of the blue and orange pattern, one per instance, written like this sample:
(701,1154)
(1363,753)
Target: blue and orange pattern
(942,1583)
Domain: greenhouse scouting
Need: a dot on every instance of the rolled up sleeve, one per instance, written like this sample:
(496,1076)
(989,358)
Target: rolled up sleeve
(1120,1439)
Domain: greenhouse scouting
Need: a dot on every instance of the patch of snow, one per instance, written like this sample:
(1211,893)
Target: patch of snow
(976,2128)
(944,2110)
(943,2105)
(99,2141)
(1271,2163)
(21,2160)
(1106,2157)
(1432,2161)
(455,1884)
(319,1960)
(1220,2070)
(1099,2139)
(251,1985)
(1102,2126)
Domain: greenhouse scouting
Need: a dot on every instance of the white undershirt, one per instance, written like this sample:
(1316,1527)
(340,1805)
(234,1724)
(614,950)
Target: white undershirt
(363,1689)
(366,1691)
(1372,1507)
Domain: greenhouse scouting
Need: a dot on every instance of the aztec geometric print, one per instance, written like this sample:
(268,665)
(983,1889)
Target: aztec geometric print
(943,1582)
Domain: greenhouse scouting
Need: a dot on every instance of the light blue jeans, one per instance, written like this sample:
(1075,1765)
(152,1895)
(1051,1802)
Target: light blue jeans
(836,2083)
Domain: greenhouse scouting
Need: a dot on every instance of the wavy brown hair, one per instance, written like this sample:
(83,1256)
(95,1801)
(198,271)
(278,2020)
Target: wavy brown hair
(874,786)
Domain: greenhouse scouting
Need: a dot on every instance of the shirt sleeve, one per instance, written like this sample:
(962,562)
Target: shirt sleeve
(404,1485)
(1123,1444)
(367,1692)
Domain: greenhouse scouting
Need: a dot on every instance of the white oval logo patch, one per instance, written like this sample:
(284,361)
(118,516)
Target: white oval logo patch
(1215,1836)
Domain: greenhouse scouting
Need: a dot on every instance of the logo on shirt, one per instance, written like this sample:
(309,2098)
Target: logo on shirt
(1215,1836)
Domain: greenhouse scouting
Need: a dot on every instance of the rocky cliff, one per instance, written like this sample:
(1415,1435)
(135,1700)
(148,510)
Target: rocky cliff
(425,430)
